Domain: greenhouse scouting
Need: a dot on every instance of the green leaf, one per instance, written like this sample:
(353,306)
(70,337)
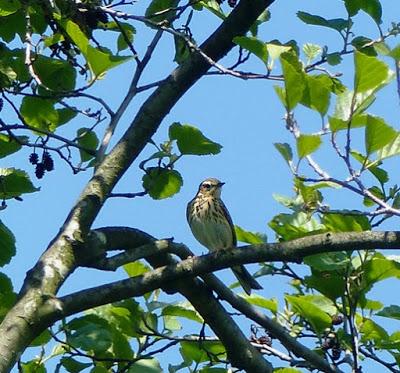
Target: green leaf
(307,144)
(395,53)
(182,311)
(392,312)
(41,339)
(14,183)
(145,366)
(370,74)
(136,268)
(346,223)
(193,351)
(371,331)
(258,300)
(296,225)
(311,51)
(55,74)
(86,138)
(317,93)
(287,370)
(377,134)
(182,50)
(98,60)
(33,366)
(162,183)
(9,145)
(72,365)
(275,50)
(389,150)
(129,33)
(373,8)
(329,283)
(353,6)
(91,333)
(334,59)
(190,140)
(39,113)
(294,79)
(378,269)
(7,245)
(318,319)
(328,261)
(8,7)
(337,24)
(285,150)
(248,237)
(253,45)
(157,6)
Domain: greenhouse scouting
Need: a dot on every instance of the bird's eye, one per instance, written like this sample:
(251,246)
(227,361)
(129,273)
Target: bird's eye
(207,186)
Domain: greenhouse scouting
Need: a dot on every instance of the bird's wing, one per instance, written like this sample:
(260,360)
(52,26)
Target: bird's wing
(229,219)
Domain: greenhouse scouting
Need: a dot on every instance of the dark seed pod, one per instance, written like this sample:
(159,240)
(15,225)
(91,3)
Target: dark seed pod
(232,3)
(40,170)
(48,162)
(337,319)
(33,158)
(336,352)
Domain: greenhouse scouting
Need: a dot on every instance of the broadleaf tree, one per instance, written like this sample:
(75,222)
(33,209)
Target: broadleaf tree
(328,254)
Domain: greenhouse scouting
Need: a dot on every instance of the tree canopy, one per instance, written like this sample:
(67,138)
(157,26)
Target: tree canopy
(88,88)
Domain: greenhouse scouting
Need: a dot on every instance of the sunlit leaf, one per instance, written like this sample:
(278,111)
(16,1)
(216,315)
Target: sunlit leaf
(307,144)
(253,45)
(190,140)
(162,183)
(377,134)
(318,319)
(14,183)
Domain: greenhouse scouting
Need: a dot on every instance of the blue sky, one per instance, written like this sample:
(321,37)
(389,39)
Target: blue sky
(244,116)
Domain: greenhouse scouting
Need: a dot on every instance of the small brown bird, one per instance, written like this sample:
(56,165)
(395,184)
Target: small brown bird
(212,226)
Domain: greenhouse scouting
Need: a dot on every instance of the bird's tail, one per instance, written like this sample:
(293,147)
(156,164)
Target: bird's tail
(245,279)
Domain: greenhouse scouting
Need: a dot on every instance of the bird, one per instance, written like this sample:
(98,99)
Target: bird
(212,226)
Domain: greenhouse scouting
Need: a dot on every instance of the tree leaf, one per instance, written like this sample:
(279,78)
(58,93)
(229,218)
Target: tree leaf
(285,150)
(72,365)
(318,319)
(39,113)
(87,139)
(182,311)
(190,140)
(253,45)
(136,268)
(371,331)
(337,24)
(392,312)
(8,7)
(146,366)
(377,134)
(248,237)
(55,74)
(162,183)
(307,144)
(346,223)
(9,145)
(373,8)
(7,245)
(193,351)
(258,300)
(317,93)
(294,79)
(14,183)
(157,6)
(390,150)
(371,73)
(311,51)
(98,60)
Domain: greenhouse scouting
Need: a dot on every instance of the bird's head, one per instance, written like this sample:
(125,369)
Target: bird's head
(211,188)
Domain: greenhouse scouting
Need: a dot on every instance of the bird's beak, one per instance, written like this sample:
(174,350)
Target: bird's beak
(220,185)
